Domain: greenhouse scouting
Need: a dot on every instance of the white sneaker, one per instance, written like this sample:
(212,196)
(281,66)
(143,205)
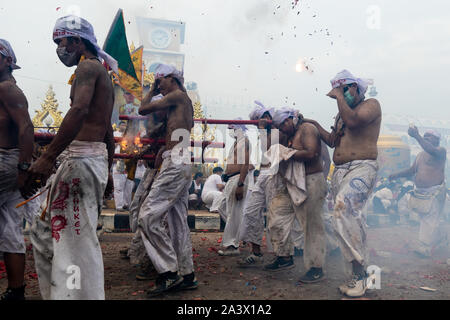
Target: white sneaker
(356,288)
(230,252)
(251,261)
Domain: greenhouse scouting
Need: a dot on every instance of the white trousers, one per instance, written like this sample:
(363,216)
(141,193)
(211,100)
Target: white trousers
(213,200)
(123,189)
(234,213)
(166,207)
(67,253)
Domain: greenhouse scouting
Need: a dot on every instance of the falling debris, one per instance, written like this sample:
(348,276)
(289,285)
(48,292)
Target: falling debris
(428,289)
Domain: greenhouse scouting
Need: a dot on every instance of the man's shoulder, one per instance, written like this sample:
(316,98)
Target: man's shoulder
(11,90)
(89,67)
(372,104)
(7,86)
(308,128)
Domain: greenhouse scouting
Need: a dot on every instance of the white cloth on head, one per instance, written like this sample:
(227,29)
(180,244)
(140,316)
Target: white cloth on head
(434,133)
(164,70)
(166,207)
(73,26)
(293,172)
(67,252)
(282,115)
(7,51)
(345,77)
(259,111)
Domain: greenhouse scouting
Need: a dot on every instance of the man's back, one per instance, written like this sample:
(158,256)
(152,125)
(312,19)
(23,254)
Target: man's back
(212,182)
(360,143)
(9,132)
(99,114)
(307,137)
(180,117)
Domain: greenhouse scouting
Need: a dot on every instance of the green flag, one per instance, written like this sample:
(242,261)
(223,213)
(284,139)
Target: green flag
(116,45)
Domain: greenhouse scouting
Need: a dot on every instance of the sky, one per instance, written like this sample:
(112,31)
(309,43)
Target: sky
(246,50)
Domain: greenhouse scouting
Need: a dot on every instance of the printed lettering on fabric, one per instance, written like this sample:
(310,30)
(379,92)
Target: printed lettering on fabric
(76,204)
(58,224)
(60,202)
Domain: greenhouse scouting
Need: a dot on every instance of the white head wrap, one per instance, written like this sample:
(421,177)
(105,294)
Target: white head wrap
(282,115)
(73,26)
(259,111)
(164,70)
(7,51)
(345,77)
(238,126)
(433,133)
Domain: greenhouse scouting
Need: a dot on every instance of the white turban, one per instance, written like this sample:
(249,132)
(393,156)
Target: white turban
(73,26)
(259,111)
(7,51)
(433,133)
(345,77)
(238,126)
(164,70)
(282,115)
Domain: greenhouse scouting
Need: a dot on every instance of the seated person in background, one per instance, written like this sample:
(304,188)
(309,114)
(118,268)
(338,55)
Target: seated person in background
(212,193)
(195,192)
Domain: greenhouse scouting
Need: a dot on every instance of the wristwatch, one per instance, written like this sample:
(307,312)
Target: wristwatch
(241,184)
(24,166)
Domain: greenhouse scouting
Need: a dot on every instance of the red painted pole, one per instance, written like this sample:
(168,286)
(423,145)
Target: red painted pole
(203,121)
(204,144)
(153,157)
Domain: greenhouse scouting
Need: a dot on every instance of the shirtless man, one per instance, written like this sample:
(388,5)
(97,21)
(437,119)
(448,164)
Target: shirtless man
(428,198)
(64,238)
(167,202)
(16,148)
(238,166)
(306,140)
(354,137)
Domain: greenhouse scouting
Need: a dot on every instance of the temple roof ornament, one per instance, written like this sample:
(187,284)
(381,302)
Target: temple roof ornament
(49,115)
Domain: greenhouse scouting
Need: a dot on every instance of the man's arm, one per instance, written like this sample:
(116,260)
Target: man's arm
(326,159)
(110,145)
(368,112)
(166,102)
(428,147)
(244,171)
(405,173)
(86,77)
(17,107)
(308,144)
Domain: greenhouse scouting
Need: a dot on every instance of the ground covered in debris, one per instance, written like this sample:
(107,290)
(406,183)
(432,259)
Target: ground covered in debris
(402,277)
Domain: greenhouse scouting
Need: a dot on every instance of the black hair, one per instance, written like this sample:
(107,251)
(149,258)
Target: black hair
(89,46)
(217,170)
(256,173)
(178,82)
(198,175)
(10,69)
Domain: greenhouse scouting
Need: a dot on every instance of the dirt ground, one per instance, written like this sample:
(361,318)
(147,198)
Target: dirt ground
(220,279)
